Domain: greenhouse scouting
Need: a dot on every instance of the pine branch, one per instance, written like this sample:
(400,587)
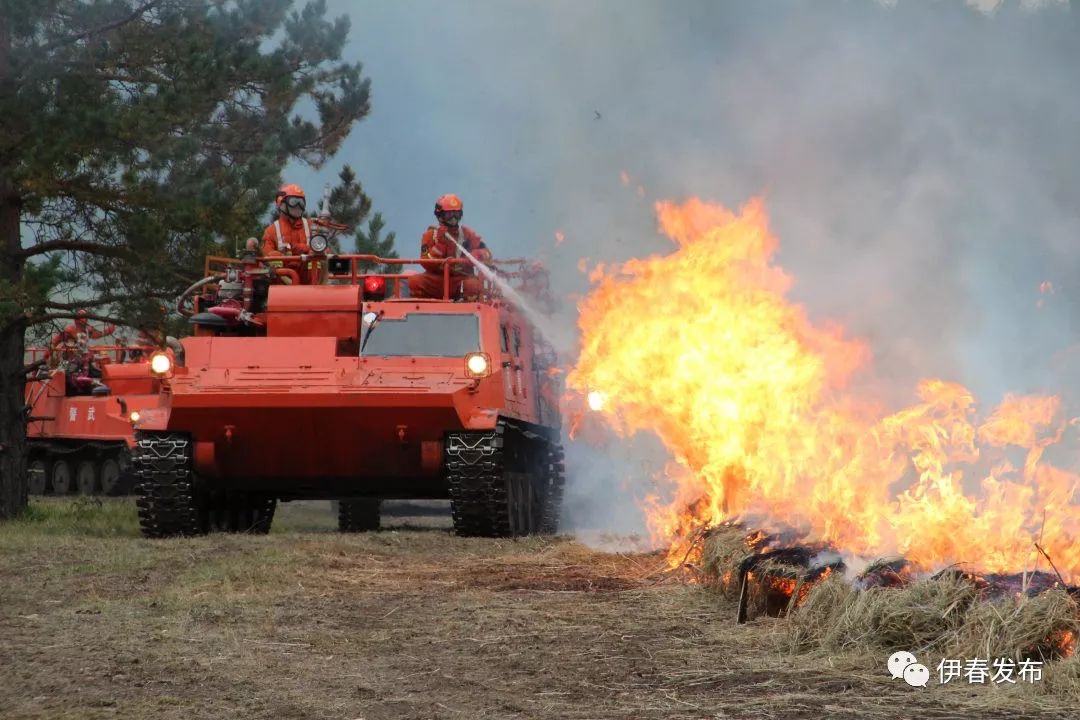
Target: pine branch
(135,15)
(103,300)
(75,246)
(49,317)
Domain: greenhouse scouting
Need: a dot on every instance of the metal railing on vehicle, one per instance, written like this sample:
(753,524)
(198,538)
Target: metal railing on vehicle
(350,269)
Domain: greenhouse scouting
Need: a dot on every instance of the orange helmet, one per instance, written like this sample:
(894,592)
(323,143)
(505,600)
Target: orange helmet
(291,197)
(288,191)
(448,209)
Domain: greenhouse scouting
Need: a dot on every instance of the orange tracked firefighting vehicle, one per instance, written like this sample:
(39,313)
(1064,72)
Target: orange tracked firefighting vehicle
(344,389)
(79,418)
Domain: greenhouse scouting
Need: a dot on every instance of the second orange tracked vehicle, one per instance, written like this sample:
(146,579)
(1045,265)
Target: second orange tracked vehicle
(79,427)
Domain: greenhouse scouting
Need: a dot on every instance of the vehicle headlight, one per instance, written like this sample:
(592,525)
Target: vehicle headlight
(134,417)
(596,400)
(160,364)
(477,365)
(318,243)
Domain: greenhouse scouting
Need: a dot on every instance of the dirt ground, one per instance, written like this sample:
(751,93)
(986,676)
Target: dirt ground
(408,622)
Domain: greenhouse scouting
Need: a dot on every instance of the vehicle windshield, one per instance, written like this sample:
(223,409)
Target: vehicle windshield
(424,335)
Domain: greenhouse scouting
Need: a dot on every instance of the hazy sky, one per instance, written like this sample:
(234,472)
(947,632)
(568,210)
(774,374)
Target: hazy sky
(920,159)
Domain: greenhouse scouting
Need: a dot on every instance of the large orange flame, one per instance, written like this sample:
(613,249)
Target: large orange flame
(703,348)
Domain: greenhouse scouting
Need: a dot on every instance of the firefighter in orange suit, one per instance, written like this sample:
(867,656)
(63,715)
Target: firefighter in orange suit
(436,244)
(73,339)
(290,232)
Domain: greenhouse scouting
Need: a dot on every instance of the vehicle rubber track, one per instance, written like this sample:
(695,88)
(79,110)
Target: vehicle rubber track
(503,482)
(556,480)
(475,474)
(164,484)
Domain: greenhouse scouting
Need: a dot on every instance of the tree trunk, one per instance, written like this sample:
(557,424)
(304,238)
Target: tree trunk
(13,485)
(13,488)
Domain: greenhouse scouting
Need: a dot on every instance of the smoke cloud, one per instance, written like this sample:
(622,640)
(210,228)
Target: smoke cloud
(918,161)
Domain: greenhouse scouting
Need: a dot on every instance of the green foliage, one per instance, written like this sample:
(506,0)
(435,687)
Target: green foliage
(139,135)
(350,205)
(33,288)
(372,242)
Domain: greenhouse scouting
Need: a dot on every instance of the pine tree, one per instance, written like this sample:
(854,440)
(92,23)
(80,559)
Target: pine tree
(371,241)
(350,205)
(137,135)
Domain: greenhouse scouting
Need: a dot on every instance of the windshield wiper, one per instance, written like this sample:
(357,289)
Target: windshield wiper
(371,320)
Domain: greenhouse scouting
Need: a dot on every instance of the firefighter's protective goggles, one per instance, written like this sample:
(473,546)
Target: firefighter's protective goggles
(450,215)
(295,202)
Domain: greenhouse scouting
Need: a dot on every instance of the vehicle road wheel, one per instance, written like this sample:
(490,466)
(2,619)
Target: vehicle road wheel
(110,477)
(523,504)
(262,515)
(553,494)
(358,515)
(220,517)
(86,478)
(37,477)
(242,514)
(61,477)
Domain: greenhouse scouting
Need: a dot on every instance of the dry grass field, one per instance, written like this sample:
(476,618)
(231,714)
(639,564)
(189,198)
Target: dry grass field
(408,622)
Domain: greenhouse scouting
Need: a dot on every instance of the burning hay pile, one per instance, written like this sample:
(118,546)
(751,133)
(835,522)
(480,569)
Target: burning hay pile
(891,605)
